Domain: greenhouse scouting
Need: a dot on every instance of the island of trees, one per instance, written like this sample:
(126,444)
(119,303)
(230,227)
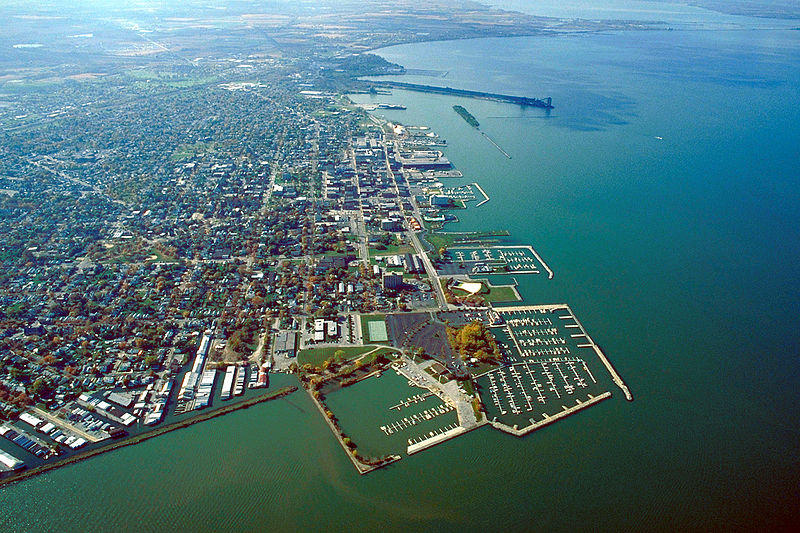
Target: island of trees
(466,115)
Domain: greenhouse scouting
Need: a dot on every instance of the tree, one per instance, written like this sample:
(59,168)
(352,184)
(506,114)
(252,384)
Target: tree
(40,387)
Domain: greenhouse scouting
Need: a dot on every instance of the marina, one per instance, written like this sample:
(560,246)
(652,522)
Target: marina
(411,400)
(494,259)
(362,411)
(547,418)
(530,332)
(527,393)
(415,418)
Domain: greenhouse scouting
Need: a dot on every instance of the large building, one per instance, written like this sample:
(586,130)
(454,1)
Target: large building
(438,200)
(413,264)
(286,343)
(390,224)
(392,282)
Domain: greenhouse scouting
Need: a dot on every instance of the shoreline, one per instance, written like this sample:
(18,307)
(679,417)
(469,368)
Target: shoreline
(136,439)
(362,468)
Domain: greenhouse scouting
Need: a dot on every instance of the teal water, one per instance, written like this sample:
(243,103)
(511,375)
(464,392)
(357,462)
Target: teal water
(679,256)
(366,406)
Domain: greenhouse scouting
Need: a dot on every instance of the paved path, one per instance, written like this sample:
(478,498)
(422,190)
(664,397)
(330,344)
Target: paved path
(448,392)
(63,424)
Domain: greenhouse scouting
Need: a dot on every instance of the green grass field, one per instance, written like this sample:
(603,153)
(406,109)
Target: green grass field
(491,293)
(317,356)
(392,250)
(186,151)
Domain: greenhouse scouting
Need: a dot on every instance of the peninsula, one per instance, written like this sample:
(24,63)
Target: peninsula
(192,226)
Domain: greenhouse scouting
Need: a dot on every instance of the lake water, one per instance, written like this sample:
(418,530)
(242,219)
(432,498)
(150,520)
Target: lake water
(663,192)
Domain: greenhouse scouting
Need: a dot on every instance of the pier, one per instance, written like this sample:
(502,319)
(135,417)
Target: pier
(545,103)
(362,468)
(437,439)
(550,273)
(141,437)
(550,419)
(495,145)
(611,370)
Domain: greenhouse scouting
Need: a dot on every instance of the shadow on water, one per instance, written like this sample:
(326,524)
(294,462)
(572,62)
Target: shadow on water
(290,402)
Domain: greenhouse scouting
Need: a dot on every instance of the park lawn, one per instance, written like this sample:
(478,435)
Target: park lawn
(161,257)
(491,293)
(370,357)
(481,368)
(503,293)
(383,351)
(317,356)
(392,249)
(191,83)
(186,151)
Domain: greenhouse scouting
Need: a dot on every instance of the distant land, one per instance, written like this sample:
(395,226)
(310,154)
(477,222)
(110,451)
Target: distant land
(778,9)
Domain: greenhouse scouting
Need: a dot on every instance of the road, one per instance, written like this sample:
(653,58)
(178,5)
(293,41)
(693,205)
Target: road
(362,227)
(418,247)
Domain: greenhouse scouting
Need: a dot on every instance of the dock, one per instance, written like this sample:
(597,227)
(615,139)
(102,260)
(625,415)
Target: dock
(611,370)
(436,439)
(588,344)
(227,383)
(550,273)
(567,411)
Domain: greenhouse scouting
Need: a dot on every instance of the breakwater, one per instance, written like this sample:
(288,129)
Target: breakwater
(362,468)
(567,411)
(545,103)
(485,196)
(136,439)
(496,145)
